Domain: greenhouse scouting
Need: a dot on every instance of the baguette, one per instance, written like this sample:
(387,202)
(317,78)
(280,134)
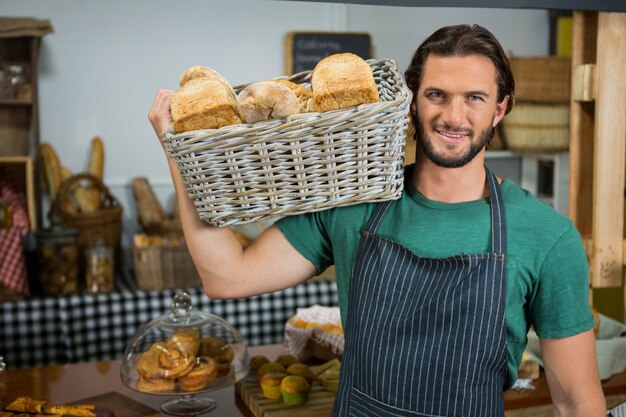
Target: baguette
(51,169)
(149,209)
(96,159)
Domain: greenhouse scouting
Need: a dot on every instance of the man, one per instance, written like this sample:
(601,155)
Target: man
(438,289)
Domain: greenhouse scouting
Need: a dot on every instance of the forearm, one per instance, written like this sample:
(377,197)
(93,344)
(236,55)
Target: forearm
(593,405)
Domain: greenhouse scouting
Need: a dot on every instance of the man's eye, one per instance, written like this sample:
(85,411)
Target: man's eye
(475,98)
(435,94)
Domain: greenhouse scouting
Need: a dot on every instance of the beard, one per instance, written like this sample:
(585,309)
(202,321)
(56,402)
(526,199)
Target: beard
(456,161)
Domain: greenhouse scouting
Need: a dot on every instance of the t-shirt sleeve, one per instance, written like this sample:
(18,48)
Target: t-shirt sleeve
(560,303)
(308,235)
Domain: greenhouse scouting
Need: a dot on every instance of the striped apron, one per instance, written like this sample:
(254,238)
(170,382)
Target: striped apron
(425,337)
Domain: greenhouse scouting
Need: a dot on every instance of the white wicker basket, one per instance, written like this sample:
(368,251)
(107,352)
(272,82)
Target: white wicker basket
(308,162)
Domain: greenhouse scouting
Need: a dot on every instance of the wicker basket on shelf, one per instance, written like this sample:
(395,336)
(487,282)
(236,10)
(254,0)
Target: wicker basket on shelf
(103,226)
(535,127)
(164,266)
(539,121)
(308,162)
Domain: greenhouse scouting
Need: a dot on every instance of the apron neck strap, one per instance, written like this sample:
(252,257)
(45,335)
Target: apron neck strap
(498,220)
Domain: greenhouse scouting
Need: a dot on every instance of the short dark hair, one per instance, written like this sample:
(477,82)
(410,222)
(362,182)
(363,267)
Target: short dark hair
(463,40)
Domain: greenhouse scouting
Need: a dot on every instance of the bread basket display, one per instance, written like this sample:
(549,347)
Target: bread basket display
(306,162)
(184,354)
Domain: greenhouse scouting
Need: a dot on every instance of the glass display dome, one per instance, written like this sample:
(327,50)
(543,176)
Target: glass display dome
(183,354)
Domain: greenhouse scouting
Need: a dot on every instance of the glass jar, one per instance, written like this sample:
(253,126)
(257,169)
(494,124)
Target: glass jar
(3,378)
(58,261)
(16,84)
(99,268)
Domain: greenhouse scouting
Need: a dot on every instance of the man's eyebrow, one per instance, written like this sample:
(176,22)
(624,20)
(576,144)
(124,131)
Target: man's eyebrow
(477,93)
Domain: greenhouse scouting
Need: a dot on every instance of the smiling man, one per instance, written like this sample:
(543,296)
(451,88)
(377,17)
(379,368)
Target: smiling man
(438,289)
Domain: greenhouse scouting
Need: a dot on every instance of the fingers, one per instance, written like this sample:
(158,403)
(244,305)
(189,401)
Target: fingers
(159,114)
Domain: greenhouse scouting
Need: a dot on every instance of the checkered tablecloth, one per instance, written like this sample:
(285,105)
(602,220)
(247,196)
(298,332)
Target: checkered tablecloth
(84,328)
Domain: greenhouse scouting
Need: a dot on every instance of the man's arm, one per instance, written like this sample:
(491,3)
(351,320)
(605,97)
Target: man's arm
(269,264)
(572,374)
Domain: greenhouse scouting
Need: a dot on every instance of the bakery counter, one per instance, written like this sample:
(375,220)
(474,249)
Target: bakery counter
(85,328)
(99,382)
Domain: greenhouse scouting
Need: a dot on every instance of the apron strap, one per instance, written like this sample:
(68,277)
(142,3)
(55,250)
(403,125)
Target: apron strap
(498,220)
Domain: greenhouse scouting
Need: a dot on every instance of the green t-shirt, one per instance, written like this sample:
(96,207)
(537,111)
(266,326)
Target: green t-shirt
(546,266)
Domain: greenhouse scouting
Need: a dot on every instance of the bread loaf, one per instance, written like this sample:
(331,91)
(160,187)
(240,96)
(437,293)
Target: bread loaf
(304,94)
(342,80)
(265,100)
(199,71)
(204,103)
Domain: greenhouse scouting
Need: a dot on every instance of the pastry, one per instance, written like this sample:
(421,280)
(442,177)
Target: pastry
(286,360)
(269,367)
(294,390)
(342,80)
(204,103)
(156,385)
(270,385)
(186,340)
(257,361)
(265,100)
(200,376)
(174,361)
(301,370)
(211,346)
(148,366)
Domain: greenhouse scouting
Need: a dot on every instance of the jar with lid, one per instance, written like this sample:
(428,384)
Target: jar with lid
(16,84)
(99,267)
(58,261)
(3,378)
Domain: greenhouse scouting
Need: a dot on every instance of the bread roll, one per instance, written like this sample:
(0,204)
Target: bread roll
(204,103)
(342,80)
(265,100)
(304,94)
(199,71)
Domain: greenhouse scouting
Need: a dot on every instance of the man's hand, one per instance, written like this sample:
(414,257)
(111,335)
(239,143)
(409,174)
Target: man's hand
(159,114)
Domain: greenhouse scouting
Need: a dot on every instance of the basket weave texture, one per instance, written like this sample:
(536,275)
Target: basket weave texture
(542,79)
(533,127)
(162,267)
(307,162)
(103,226)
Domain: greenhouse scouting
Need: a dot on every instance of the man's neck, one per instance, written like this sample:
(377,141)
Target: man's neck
(450,185)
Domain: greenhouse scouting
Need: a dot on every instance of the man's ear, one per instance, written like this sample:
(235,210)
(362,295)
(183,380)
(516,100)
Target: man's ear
(501,110)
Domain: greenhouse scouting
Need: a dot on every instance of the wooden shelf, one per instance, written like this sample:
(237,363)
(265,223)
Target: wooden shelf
(15,102)
(22,168)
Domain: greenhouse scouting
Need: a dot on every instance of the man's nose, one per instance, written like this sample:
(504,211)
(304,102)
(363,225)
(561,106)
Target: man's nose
(454,112)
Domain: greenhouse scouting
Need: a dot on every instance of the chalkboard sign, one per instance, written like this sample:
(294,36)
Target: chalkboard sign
(305,49)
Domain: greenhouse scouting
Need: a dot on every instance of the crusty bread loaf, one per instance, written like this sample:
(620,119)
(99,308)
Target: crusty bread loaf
(200,71)
(265,100)
(304,94)
(342,80)
(204,103)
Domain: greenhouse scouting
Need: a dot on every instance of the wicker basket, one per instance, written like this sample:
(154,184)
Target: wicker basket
(305,163)
(102,226)
(160,267)
(542,79)
(533,127)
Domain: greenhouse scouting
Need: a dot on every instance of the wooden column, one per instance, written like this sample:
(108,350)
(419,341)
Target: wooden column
(609,153)
(598,140)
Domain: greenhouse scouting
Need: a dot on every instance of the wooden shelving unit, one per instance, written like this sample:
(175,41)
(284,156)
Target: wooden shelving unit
(20,42)
(598,141)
